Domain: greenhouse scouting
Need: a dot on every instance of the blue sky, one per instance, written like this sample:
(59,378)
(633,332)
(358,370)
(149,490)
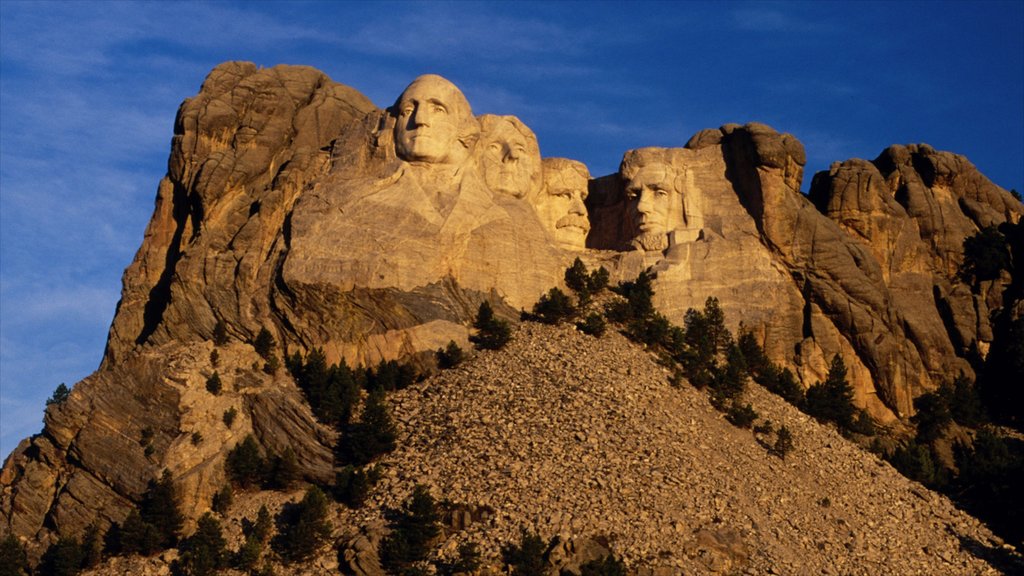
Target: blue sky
(88,93)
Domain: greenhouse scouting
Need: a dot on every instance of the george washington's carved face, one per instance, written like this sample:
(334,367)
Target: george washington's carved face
(510,155)
(560,203)
(432,122)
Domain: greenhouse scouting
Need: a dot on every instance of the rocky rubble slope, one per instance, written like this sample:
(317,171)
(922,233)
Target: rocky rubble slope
(582,438)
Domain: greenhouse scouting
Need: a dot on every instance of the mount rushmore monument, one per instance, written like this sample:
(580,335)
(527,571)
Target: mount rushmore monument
(293,204)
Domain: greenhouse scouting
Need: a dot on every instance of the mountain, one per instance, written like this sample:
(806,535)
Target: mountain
(296,216)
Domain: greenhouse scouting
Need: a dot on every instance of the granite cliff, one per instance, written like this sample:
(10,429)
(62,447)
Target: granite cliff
(292,204)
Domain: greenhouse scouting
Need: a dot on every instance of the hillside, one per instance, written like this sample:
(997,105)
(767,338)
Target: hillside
(578,437)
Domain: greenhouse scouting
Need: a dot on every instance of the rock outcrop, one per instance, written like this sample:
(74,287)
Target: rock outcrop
(293,204)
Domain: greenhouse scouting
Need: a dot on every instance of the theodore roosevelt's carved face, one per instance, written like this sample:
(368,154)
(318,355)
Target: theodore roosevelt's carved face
(433,122)
(560,203)
(653,200)
(510,156)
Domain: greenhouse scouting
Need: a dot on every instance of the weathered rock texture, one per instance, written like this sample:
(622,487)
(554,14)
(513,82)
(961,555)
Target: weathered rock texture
(291,203)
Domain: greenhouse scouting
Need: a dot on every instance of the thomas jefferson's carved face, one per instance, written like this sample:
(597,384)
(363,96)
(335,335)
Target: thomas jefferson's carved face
(650,195)
(430,113)
(510,156)
(560,204)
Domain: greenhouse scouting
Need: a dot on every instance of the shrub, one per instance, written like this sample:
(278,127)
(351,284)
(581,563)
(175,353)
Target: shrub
(783,442)
(492,332)
(13,558)
(412,532)
(964,402)
(729,382)
(213,384)
(303,528)
(352,485)
(639,295)
(864,424)
(450,356)
(284,470)
(160,507)
(220,333)
(986,255)
(229,416)
(576,278)
(593,325)
(59,396)
(332,391)
(248,555)
(741,416)
(554,307)
(1003,372)
(607,566)
(390,375)
(223,499)
(134,536)
(832,400)
(526,558)
(584,285)
(214,357)
(260,530)
(917,463)
(468,561)
(256,536)
(782,382)
(373,435)
(204,552)
(92,546)
(62,558)
(272,365)
(933,416)
(264,344)
(197,438)
(244,464)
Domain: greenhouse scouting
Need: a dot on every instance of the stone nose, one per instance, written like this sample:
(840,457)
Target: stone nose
(645,202)
(421,116)
(510,154)
(576,206)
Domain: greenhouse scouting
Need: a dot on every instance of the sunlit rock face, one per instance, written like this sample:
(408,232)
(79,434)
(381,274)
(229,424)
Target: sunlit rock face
(561,202)
(293,204)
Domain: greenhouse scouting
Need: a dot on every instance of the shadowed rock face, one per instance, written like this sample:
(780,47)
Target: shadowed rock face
(291,203)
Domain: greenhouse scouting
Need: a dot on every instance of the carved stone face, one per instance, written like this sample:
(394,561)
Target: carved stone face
(560,203)
(510,155)
(653,204)
(430,114)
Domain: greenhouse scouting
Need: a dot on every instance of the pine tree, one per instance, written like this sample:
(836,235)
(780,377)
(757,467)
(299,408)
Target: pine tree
(60,395)
(303,528)
(264,343)
(492,332)
(213,384)
(159,508)
(553,307)
(204,553)
(62,558)
(220,333)
(244,463)
(412,532)
(13,558)
(284,470)
(373,435)
(526,558)
(832,400)
(450,356)
(223,499)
